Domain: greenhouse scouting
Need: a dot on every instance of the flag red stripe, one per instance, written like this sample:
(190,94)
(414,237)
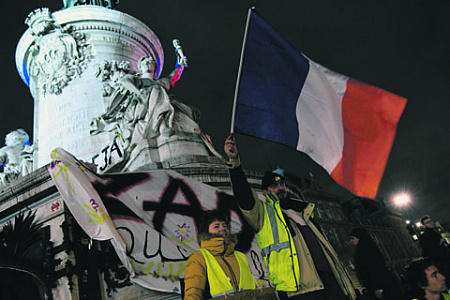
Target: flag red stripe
(370,116)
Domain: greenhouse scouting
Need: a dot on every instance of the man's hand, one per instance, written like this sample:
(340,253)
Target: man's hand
(379,294)
(230,148)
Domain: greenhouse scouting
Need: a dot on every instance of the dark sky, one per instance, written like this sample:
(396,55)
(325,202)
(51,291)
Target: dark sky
(400,46)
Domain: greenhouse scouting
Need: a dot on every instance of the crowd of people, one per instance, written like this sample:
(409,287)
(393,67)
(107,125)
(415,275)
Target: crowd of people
(301,263)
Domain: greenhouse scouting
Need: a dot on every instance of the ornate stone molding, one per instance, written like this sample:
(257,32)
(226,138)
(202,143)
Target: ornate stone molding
(58,54)
(110,73)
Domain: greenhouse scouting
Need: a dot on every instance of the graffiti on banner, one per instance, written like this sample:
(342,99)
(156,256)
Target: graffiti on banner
(156,215)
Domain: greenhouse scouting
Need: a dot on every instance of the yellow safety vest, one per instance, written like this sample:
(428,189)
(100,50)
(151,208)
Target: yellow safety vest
(280,256)
(446,297)
(219,283)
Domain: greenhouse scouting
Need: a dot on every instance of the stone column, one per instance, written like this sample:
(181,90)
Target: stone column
(58,57)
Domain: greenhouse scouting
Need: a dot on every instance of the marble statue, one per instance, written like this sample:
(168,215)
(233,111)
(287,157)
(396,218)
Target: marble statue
(16,156)
(140,107)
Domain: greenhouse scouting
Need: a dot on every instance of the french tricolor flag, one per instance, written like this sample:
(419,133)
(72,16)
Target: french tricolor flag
(346,126)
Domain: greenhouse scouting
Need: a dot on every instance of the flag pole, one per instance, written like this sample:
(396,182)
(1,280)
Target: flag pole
(240,69)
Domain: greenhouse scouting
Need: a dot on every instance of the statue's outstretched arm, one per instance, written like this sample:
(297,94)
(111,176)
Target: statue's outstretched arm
(180,65)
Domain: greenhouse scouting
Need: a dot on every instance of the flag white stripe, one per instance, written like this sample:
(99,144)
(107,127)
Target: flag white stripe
(319,115)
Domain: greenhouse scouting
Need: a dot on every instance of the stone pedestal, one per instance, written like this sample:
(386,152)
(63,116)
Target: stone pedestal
(171,152)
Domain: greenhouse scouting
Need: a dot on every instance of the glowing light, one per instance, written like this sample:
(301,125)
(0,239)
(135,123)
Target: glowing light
(408,222)
(402,199)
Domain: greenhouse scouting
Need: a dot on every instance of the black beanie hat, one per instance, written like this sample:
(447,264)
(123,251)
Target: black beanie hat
(359,233)
(270,178)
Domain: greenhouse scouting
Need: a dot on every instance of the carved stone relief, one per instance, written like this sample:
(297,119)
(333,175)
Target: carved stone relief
(60,54)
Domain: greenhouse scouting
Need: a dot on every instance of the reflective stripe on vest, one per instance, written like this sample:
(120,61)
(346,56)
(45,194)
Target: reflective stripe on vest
(276,246)
(445,296)
(279,254)
(219,283)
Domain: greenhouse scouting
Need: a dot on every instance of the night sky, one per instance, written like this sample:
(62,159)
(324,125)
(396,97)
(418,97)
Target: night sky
(399,46)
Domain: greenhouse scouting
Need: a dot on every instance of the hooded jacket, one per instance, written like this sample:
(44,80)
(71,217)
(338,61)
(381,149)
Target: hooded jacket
(222,249)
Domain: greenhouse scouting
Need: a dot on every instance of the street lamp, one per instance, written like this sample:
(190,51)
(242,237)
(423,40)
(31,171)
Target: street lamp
(401,200)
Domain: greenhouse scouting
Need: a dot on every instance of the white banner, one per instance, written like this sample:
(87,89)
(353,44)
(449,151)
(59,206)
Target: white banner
(150,217)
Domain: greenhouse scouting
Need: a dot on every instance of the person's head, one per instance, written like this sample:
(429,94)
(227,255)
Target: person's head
(16,137)
(360,235)
(423,276)
(214,222)
(427,221)
(354,240)
(147,65)
(274,183)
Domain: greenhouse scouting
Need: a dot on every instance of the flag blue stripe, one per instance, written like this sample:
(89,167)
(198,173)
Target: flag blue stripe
(272,76)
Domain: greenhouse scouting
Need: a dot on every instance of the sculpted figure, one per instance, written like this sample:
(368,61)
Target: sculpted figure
(16,156)
(141,106)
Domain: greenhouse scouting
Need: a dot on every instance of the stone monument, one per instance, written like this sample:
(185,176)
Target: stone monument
(125,120)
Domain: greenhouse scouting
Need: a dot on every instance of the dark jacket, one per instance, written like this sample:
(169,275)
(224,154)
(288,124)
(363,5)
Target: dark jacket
(429,243)
(371,267)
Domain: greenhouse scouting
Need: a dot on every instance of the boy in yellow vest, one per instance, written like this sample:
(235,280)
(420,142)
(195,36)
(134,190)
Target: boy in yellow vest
(216,269)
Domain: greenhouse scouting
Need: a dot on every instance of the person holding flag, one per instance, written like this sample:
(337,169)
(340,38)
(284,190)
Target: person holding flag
(302,263)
